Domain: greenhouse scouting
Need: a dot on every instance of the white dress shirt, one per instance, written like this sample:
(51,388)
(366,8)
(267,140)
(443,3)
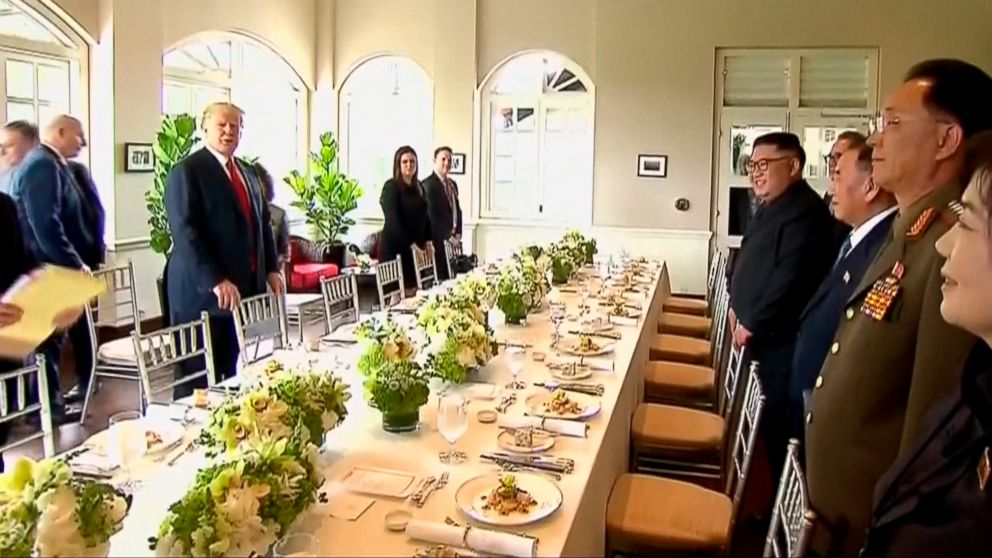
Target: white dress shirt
(859,233)
(223,159)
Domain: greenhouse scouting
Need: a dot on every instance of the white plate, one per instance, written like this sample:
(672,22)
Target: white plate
(580,374)
(632,313)
(470,499)
(379,482)
(568,344)
(543,442)
(171,433)
(588,405)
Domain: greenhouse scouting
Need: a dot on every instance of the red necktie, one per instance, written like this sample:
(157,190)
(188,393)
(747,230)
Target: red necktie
(241,193)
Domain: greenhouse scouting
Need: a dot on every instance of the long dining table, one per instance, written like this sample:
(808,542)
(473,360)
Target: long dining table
(576,529)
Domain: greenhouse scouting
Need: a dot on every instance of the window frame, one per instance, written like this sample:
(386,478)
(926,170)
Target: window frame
(541,100)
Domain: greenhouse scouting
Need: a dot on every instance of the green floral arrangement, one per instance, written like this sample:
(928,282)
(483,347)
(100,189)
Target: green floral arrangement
(514,292)
(563,262)
(241,506)
(306,403)
(478,288)
(45,511)
(394,381)
(535,276)
(583,248)
(458,337)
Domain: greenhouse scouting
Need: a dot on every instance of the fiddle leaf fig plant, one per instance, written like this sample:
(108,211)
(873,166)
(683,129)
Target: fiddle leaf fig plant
(325,195)
(174,141)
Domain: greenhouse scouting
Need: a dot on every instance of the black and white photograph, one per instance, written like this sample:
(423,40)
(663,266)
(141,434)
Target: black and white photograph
(652,166)
(457,163)
(139,157)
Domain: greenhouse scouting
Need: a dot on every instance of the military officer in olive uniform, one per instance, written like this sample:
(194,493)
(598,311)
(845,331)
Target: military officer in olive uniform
(890,357)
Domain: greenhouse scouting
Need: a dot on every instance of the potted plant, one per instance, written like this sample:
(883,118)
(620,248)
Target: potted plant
(562,263)
(458,338)
(174,141)
(395,383)
(326,197)
(514,293)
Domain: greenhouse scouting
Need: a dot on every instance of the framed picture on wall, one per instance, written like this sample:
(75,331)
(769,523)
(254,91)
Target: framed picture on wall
(652,166)
(457,163)
(139,157)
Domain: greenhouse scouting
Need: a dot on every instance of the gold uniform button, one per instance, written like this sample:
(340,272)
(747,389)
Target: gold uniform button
(835,347)
(809,417)
(850,313)
(819,381)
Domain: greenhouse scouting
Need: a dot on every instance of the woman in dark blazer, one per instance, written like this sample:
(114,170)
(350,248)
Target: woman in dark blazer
(936,500)
(404,208)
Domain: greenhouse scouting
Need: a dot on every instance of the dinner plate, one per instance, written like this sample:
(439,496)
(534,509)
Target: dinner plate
(631,313)
(542,442)
(588,405)
(170,432)
(568,374)
(473,494)
(568,346)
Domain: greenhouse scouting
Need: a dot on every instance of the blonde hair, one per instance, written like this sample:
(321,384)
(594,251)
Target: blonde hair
(214,108)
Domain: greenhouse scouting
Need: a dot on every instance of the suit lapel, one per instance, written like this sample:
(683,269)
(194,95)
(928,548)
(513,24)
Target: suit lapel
(890,252)
(220,184)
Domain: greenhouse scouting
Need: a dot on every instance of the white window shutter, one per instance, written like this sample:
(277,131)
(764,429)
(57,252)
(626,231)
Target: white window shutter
(756,81)
(833,80)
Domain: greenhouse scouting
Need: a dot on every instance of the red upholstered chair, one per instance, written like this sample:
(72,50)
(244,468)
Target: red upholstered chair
(306,267)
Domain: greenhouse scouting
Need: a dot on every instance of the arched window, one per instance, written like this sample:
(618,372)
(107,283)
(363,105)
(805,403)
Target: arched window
(252,76)
(386,102)
(537,115)
(42,65)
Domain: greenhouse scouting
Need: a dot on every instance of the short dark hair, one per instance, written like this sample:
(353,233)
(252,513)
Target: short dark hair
(865,152)
(853,138)
(978,167)
(265,178)
(957,89)
(784,141)
(26,129)
(442,148)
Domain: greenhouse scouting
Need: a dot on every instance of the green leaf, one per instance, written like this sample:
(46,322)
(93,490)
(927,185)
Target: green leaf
(173,142)
(325,195)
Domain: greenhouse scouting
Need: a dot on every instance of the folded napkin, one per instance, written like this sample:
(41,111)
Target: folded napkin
(92,464)
(564,427)
(623,320)
(480,540)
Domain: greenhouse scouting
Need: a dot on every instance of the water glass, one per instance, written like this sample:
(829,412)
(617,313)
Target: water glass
(126,441)
(296,545)
(557,311)
(452,423)
(515,357)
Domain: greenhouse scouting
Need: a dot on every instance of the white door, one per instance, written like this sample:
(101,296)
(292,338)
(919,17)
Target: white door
(739,127)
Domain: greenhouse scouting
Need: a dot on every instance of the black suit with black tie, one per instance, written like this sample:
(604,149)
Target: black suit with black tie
(445,216)
(820,318)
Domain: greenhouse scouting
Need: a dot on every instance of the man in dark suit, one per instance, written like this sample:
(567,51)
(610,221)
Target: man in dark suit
(223,247)
(785,253)
(79,334)
(845,141)
(52,210)
(17,261)
(443,209)
(869,210)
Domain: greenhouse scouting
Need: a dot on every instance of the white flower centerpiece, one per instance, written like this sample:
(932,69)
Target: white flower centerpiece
(534,265)
(458,338)
(563,262)
(45,511)
(306,402)
(241,506)
(584,248)
(395,383)
(514,292)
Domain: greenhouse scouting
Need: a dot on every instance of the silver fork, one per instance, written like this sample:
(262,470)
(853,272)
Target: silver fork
(434,488)
(418,496)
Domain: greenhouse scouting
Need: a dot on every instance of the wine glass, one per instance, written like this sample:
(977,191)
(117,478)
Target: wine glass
(127,442)
(515,357)
(452,423)
(296,545)
(557,311)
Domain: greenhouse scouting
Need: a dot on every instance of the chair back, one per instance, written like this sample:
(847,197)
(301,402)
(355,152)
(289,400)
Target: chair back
(451,251)
(743,443)
(731,381)
(166,348)
(260,321)
(423,268)
(14,388)
(718,323)
(340,300)
(118,305)
(386,275)
(792,516)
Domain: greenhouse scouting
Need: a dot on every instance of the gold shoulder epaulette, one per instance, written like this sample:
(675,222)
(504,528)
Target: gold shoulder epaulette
(923,222)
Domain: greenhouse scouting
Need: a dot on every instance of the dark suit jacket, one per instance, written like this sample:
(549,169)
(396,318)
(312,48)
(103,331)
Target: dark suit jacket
(51,207)
(92,211)
(930,502)
(443,221)
(820,318)
(211,238)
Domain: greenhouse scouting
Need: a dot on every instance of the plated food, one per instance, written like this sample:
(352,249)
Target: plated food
(525,440)
(152,439)
(584,345)
(561,404)
(507,497)
(571,371)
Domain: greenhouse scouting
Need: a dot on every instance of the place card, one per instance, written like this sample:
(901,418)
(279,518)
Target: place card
(349,506)
(379,482)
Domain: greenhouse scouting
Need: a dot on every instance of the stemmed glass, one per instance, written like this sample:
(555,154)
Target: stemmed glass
(296,545)
(515,357)
(452,423)
(557,311)
(127,443)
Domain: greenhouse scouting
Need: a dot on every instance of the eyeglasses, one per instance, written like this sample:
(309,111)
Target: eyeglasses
(830,161)
(956,208)
(762,164)
(879,123)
